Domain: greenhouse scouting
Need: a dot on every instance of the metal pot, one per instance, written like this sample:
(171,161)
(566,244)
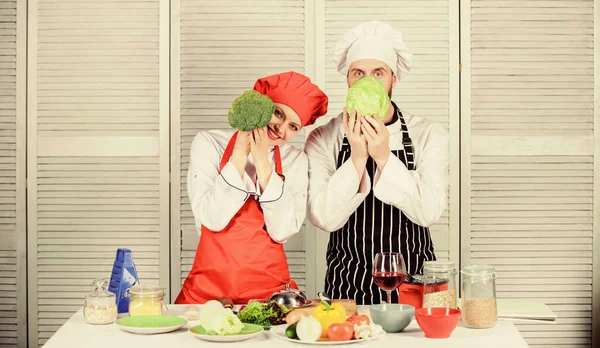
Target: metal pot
(290,298)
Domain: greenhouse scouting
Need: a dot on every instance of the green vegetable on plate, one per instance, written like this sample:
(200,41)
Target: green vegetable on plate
(264,314)
(219,321)
(290,331)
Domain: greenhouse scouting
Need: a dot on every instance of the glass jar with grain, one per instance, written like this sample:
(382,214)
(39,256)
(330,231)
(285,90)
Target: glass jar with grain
(100,305)
(478,307)
(439,284)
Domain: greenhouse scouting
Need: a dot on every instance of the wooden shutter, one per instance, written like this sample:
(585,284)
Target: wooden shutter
(221,48)
(98,130)
(8,162)
(430,30)
(528,121)
(13,309)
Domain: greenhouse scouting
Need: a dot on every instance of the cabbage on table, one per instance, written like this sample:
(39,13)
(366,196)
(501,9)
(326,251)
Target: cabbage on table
(217,320)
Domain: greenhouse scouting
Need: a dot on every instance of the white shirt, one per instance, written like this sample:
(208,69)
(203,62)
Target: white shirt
(334,194)
(215,198)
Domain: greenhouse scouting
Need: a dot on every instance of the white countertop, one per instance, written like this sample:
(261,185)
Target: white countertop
(76,333)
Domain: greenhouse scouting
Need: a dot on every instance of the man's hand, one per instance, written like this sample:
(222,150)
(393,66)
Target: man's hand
(259,147)
(241,149)
(378,140)
(358,143)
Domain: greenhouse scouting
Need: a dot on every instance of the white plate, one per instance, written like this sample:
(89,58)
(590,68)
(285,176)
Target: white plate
(256,330)
(279,332)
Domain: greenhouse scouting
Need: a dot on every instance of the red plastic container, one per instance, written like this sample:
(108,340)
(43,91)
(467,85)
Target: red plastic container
(411,293)
(437,322)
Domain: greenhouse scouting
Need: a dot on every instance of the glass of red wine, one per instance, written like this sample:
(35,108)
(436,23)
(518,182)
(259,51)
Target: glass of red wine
(389,272)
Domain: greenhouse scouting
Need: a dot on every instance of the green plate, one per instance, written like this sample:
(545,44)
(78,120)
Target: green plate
(249,331)
(151,324)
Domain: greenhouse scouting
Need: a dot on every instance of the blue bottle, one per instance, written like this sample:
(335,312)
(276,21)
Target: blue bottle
(123,277)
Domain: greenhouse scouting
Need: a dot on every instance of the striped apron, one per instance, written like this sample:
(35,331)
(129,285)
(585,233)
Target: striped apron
(374,227)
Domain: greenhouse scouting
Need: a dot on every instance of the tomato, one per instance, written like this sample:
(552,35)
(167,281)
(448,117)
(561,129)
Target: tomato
(340,332)
(359,320)
(293,317)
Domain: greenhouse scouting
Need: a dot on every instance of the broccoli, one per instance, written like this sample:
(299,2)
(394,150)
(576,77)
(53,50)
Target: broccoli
(250,111)
(368,97)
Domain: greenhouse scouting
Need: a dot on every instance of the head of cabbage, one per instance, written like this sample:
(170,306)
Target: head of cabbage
(368,97)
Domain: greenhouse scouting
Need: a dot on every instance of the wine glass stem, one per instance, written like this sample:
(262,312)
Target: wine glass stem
(389,296)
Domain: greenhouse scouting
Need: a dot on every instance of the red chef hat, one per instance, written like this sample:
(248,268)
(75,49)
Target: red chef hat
(296,91)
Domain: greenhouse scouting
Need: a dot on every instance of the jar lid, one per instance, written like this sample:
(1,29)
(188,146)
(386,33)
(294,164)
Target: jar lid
(439,266)
(416,279)
(419,279)
(479,270)
(100,295)
(147,290)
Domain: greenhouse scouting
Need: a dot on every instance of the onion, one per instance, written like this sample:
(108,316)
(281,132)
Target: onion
(309,329)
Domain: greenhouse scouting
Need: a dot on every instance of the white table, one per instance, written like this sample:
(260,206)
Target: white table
(76,333)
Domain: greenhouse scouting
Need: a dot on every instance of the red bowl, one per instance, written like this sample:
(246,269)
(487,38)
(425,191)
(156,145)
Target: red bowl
(437,322)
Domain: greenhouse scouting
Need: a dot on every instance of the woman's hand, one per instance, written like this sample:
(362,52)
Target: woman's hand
(259,147)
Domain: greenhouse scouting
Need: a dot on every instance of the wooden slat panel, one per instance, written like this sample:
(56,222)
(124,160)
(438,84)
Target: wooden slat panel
(531,167)
(530,55)
(97,168)
(8,187)
(70,49)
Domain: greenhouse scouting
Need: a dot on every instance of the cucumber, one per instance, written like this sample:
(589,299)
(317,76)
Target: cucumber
(290,332)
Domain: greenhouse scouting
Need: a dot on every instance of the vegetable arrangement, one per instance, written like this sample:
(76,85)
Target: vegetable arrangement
(328,314)
(368,97)
(329,322)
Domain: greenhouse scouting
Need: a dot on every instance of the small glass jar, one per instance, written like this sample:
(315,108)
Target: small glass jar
(146,300)
(100,305)
(439,284)
(478,306)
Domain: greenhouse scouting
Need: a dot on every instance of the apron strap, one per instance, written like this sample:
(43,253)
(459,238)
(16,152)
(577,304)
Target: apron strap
(406,142)
(278,167)
(229,151)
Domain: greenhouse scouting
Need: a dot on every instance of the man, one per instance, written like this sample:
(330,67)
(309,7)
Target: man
(375,184)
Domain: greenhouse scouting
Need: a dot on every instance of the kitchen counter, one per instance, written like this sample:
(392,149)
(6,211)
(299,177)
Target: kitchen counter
(76,333)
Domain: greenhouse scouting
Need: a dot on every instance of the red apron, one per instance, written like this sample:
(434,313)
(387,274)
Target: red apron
(240,262)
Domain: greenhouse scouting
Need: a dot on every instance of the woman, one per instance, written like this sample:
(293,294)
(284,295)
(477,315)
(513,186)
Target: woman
(248,195)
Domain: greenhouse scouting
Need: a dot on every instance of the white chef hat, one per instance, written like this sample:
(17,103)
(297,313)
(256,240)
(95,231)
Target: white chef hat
(373,40)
